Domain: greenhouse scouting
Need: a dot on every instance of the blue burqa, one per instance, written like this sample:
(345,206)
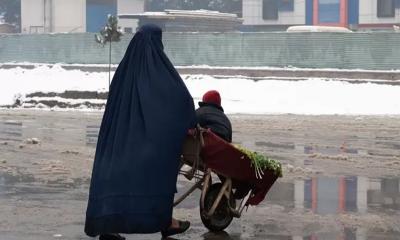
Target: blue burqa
(147,115)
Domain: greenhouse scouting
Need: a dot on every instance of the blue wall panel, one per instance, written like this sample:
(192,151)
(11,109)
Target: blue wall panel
(354,11)
(96,14)
(351,194)
(308,193)
(309,12)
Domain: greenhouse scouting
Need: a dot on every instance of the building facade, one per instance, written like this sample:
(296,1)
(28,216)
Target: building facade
(129,7)
(71,16)
(188,21)
(48,16)
(355,14)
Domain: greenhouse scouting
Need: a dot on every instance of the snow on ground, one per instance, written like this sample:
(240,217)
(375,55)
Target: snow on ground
(47,79)
(289,68)
(313,96)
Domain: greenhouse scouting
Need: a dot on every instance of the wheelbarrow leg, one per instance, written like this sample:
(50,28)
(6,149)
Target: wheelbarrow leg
(226,186)
(237,213)
(206,184)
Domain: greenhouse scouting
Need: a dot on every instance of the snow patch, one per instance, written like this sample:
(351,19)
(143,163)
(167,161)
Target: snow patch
(273,96)
(313,96)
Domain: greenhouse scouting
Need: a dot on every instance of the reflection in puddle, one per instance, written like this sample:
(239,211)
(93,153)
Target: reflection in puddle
(221,236)
(347,234)
(28,187)
(343,148)
(276,145)
(92,133)
(385,192)
(264,232)
(330,150)
(45,131)
(335,195)
(331,195)
(323,196)
(387,142)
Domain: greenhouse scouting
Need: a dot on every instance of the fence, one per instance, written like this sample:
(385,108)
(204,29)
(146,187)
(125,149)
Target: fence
(373,51)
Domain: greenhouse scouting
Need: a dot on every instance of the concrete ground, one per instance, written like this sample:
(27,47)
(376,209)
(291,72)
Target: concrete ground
(341,177)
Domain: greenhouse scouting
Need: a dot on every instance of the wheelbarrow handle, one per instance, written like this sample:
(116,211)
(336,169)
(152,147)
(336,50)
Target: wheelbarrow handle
(201,131)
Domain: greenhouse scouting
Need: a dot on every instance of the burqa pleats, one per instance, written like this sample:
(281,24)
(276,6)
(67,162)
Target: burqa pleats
(147,115)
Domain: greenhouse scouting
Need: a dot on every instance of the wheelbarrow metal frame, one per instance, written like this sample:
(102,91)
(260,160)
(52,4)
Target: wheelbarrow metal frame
(203,179)
(203,184)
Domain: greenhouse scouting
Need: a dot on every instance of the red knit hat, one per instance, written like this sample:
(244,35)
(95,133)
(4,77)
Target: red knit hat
(212,97)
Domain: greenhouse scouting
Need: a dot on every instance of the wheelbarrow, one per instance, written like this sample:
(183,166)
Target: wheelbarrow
(208,155)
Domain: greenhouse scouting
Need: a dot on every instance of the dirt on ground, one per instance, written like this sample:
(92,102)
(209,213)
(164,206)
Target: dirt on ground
(341,177)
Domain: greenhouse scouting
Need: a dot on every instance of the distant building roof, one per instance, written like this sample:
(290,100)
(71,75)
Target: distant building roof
(189,20)
(318,29)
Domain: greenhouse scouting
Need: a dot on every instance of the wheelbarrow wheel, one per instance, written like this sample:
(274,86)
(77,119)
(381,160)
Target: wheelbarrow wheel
(222,216)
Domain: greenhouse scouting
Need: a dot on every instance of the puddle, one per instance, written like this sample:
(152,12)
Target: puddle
(381,153)
(329,150)
(276,145)
(77,132)
(275,232)
(27,185)
(323,196)
(292,147)
(49,132)
(389,144)
(8,179)
(336,195)
(92,133)
(9,182)
(11,131)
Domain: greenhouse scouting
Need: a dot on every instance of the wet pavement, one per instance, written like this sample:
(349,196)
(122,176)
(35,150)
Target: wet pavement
(341,178)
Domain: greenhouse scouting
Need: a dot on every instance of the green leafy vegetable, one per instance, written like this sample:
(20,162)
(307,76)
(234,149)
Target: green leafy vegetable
(261,162)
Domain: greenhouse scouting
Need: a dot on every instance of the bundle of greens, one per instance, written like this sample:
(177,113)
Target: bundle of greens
(260,162)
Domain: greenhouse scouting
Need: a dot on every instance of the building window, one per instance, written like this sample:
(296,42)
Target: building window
(270,9)
(386,8)
(329,11)
(286,5)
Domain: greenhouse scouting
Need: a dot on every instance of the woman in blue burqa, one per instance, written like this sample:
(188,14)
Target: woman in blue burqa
(147,115)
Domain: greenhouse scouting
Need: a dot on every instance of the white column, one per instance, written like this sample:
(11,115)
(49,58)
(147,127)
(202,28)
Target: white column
(299,194)
(362,188)
(83,15)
